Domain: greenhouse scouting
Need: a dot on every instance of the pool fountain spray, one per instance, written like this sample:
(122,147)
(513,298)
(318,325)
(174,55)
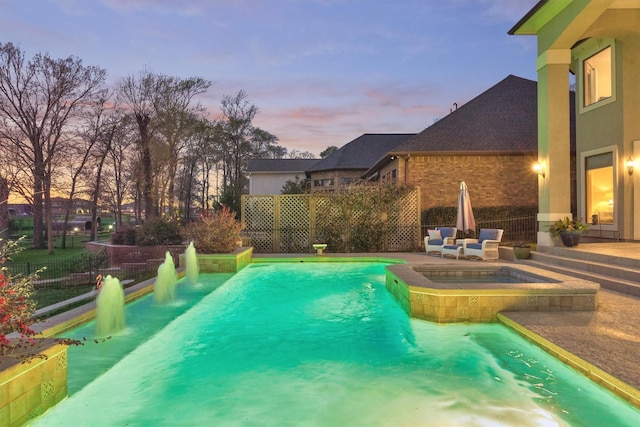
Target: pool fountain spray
(164,289)
(191,264)
(110,307)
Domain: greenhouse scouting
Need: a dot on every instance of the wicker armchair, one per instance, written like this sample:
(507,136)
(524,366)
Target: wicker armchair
(436,239)
(485,246)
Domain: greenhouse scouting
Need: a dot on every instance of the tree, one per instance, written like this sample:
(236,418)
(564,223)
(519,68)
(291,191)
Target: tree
(39,100)
(137,94)
(241,141)
(4,207)
(160,105)
(194,176)
(105,125)
(85,159)
(179,120)
(328,151)
(297,154)
(296,186)
(120,175)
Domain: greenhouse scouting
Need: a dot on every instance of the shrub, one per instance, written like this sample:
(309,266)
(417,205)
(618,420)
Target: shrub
(159,231)
(16,305)
(363,210)
(124,236)
(215,232)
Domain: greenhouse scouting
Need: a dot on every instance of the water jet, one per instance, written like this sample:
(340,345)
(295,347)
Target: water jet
(191,264)
(164,288)
(110,307)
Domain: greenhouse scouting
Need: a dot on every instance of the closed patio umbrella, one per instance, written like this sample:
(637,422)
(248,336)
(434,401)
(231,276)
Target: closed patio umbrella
(465,222)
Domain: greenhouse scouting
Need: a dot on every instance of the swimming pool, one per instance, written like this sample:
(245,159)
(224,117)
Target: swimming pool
(315,344)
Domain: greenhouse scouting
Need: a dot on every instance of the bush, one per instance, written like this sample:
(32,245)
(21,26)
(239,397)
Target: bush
(159,231)
(215,232)
(363,210)
(124,236)
(16,305)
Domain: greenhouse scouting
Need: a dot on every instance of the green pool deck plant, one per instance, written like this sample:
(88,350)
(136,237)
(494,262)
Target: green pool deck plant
(569,230)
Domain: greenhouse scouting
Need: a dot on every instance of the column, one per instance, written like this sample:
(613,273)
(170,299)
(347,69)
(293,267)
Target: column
(554,183)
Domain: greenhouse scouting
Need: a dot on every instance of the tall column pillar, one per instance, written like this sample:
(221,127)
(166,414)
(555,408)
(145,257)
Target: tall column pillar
(554,181)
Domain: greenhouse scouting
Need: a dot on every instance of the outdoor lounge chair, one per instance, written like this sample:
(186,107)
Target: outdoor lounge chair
(436,239)
(485,246)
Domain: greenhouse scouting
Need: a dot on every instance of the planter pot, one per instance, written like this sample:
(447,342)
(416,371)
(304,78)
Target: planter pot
(522,252)
(570,238)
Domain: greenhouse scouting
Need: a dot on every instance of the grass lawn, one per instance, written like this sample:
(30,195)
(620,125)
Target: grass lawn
(29,254)
(48,294)
(59,264)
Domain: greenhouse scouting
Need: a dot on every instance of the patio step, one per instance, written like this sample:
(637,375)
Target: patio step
(597,257)
(613,273)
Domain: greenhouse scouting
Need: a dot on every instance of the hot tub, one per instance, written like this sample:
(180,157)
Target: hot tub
(477,293)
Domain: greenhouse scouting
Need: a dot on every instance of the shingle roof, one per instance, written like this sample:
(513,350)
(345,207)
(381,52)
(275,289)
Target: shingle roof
(361,153)
(503,118)
(280,165)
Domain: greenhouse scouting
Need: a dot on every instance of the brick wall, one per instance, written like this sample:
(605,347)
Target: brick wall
(493,180)
(336,175)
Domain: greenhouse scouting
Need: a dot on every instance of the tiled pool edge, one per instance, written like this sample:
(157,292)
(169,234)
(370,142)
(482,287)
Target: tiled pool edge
(451,302)
(597,375)
(28,389)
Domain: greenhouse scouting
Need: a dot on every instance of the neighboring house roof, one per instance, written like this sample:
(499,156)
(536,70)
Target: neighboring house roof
(361,153)
(502,119)
(280,165)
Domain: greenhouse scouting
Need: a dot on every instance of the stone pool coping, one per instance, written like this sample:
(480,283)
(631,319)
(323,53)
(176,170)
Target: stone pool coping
(481,302)
(616,385)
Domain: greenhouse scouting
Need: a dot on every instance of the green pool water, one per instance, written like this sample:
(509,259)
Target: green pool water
(317,344)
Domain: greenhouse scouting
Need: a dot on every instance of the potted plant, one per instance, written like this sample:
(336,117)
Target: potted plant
(522,251)
(569,230)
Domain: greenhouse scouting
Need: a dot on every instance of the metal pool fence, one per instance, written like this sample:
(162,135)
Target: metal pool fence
(516,230)
(82,270)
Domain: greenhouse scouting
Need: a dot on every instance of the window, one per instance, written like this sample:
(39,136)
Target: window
(327,182)
(599,187)
(347,181)
(597,77)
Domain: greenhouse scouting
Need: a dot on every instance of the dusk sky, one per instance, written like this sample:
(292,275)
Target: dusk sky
(322,72)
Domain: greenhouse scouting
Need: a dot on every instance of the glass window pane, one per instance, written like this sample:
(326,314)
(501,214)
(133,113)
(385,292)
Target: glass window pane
(599,191)
(597,77)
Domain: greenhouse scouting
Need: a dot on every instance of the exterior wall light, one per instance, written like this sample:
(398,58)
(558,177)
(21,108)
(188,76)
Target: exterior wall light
(539,169)
(631,164)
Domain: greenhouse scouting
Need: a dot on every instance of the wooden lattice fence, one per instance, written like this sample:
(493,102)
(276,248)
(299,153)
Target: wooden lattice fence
(292,223)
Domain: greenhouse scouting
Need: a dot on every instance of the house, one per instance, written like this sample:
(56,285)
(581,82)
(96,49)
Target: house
(490,143)
(352,160)
(599,43)
(268,176)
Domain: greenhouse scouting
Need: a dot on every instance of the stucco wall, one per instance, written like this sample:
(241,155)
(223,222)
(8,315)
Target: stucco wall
(271,183)
(615,124)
